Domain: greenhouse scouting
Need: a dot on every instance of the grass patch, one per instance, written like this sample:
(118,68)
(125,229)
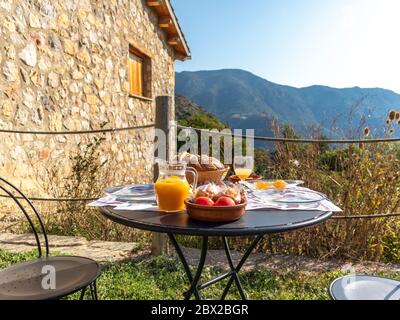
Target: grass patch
(163,278)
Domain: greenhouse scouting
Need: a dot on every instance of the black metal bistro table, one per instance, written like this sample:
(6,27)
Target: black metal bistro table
(253,223)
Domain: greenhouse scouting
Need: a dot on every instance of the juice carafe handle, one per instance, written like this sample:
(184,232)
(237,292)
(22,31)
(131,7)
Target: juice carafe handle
(193,171)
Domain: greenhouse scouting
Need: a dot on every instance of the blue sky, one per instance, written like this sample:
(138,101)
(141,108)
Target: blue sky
(340,43)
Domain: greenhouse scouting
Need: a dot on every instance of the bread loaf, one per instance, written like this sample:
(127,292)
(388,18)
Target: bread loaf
(201,163)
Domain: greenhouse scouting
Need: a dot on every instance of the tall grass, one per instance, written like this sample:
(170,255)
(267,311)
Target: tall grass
(89,175)
(362,180)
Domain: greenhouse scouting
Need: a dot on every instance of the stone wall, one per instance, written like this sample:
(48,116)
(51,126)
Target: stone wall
(63,66)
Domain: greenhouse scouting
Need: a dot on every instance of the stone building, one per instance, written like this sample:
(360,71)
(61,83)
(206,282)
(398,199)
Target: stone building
(68,65)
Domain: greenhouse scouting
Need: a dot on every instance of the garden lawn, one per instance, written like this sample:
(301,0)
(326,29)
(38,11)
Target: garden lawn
(164,278)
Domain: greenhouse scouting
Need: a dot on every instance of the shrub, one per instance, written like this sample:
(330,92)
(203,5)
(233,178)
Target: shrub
(361,180)
(87,179)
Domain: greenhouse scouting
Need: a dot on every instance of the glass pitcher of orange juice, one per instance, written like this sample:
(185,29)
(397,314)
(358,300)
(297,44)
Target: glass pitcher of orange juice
(172,187)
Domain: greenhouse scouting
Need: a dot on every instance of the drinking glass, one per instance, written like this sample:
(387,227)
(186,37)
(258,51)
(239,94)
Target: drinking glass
(243,166)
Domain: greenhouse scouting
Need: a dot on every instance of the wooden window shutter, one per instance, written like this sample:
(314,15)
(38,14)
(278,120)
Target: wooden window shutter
(135,74)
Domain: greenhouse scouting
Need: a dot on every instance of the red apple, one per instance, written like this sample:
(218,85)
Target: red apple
(224,202)
(204,201)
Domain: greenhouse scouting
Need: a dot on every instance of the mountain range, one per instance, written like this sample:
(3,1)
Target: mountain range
(244,100)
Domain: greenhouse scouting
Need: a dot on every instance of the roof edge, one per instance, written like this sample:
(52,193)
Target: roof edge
(178,29)
(176,38)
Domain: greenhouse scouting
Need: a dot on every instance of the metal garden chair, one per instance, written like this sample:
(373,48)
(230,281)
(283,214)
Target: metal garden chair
(45,277)
(363,287)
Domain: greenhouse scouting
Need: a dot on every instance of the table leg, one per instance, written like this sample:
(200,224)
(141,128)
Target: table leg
(233,274)
(237,269)
(184,263)
(203,255)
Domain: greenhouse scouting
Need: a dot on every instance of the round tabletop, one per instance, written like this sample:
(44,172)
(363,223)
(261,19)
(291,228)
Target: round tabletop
(252,223)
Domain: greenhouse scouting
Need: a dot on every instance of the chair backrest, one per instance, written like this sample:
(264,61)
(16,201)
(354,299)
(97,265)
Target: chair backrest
(29,211)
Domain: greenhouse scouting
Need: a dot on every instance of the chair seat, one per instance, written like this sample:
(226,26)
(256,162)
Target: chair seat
(361,287)
(23,281)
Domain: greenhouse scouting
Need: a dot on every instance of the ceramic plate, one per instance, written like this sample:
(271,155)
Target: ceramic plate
(134,192)
(298,197)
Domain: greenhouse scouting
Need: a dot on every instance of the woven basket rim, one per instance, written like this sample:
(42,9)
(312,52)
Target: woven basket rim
(210,171)
(228,208)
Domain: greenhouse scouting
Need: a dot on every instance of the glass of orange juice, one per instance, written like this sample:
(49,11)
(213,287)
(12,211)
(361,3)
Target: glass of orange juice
(172,187)
(243,166)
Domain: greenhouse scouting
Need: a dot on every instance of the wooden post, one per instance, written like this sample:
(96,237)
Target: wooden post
(164,115)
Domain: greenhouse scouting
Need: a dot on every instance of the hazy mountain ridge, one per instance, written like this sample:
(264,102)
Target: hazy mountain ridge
(244,100)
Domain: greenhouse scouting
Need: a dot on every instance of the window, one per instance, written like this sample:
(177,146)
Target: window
(136,74)
(139,68)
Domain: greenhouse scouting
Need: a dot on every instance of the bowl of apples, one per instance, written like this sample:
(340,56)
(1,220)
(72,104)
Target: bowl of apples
(217,203)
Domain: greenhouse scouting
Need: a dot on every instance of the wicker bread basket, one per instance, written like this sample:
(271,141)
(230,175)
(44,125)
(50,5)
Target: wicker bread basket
(215,176)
